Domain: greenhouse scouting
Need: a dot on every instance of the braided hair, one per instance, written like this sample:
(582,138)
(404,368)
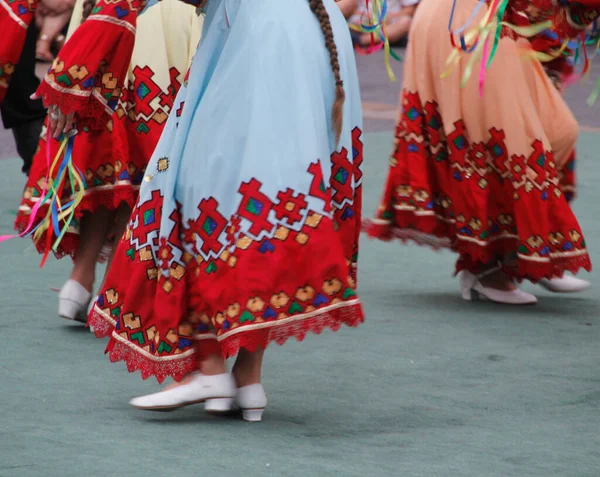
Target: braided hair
(318,8)
(88,6)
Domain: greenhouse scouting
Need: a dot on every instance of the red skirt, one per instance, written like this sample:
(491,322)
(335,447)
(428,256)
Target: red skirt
(112,177)
(299,282)
(112,159)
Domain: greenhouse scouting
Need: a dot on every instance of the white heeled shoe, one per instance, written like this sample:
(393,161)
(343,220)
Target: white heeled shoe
(200,388)
(73,300)
(251,400)
(565,284)
(472,289)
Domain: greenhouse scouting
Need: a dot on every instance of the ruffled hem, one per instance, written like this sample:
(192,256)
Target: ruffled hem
(100,48)
(474,256)
(135,359)
(91,112)
(350,315)
(387,233)
(101,326)
(110,199)
(178,367)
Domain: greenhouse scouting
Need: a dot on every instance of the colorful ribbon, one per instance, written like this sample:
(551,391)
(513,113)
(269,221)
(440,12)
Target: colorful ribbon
(377,14)
(59,216)
(481,41)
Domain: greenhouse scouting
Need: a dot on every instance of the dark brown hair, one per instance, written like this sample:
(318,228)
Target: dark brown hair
(320,12)
(88,6)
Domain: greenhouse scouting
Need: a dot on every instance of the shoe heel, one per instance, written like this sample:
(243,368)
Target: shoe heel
(252,415)
(218,405)
(68,309)
(470,295)
(467,284)
(73,298)
(466,294)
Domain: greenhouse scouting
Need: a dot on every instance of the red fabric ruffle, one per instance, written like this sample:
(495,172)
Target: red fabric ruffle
(87,76)
(179,367)
(102,164)
(163,300)
(477,199)
(473,257)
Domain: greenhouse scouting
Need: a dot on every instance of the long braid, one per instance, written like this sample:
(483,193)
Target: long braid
(88,6)
(337,110)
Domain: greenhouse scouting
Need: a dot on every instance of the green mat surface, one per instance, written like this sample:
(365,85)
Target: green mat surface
(428,386)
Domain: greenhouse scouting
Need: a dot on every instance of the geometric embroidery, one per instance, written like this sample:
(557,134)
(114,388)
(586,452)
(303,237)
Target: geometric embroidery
(255,207)
(198,295)
(420,195)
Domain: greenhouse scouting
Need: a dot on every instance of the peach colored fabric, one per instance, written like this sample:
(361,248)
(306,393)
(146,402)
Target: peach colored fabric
(518,96)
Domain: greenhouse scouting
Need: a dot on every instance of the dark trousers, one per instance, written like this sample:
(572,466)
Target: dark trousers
(20,113)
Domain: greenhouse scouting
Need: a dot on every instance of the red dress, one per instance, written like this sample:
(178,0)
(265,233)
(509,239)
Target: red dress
(246,229)
(112,149)
(15,18)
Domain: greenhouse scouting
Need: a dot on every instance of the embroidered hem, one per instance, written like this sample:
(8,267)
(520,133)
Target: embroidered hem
(137,359)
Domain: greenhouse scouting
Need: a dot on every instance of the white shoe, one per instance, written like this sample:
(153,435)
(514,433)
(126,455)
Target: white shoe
(73,299)
(565,284)
(250,400)
(472,289)
(199,389)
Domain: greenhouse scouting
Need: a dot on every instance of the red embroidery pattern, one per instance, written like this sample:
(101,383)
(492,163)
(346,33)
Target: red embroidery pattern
(477,198)
(113,159)
(274,270)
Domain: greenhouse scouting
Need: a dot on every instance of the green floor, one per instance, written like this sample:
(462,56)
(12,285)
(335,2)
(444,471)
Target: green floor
(429,386)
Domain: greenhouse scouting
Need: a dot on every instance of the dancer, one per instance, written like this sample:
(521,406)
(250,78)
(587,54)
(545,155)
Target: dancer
(246,229)
(22,115)
(111,158)
(560,70)
(479,173)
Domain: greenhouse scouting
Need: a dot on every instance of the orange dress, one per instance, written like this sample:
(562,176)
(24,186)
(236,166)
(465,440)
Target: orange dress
(480,174)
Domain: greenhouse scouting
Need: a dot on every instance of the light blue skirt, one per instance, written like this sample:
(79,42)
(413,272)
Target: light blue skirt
(246,229)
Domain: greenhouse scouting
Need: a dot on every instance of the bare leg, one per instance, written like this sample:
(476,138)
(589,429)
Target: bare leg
(247,367)
(94,229)
(498,280)
(213,365)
